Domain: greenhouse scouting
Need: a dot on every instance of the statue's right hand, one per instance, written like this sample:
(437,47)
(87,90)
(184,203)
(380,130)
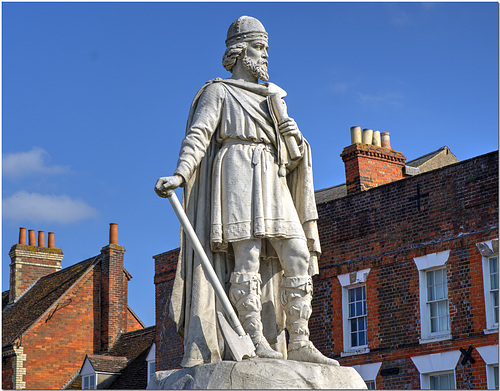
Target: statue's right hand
(167,184)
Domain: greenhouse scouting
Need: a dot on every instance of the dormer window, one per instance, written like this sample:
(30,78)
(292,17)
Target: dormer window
(88,382)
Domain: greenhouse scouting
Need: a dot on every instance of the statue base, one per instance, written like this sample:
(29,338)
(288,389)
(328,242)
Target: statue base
(258,373)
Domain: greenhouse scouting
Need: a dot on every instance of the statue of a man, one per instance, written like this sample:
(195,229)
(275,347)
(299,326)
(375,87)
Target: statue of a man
(253,209)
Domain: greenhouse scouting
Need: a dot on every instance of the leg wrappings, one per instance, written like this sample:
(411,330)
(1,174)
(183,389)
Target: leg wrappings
(245,295)
(296,297)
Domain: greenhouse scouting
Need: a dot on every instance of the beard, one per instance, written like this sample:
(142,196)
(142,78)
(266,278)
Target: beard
(257,68)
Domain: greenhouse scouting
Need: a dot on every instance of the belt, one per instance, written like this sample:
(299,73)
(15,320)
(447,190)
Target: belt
(259,147)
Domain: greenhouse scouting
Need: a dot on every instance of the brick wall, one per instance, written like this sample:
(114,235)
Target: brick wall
(8,361)
(169,345)
(57,344)
(384,229)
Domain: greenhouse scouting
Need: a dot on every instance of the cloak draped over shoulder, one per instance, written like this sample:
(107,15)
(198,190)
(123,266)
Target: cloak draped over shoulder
(230,119)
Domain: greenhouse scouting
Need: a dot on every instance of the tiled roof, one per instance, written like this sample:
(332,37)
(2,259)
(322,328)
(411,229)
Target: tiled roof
(330,193)
(19,316)
(135,346)
(5,299)
(108,364)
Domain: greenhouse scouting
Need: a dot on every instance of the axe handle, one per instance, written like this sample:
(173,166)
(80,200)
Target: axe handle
(207,266)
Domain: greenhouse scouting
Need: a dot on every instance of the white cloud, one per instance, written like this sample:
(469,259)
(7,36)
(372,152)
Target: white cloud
(38,208)
(391,98)
(15,165)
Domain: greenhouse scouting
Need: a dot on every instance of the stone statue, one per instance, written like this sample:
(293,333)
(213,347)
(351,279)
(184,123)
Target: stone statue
(250,198)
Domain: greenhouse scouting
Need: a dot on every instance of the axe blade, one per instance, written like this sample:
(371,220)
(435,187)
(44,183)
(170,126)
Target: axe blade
(240,346)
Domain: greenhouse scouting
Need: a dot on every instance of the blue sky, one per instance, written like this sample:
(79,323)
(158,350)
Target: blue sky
(95,98)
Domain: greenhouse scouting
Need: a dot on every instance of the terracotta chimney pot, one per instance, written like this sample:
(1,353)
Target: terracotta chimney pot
(22,235)
(51,241)
(113,233)
(386,140)
(376,138)
(31,234)
(41,238)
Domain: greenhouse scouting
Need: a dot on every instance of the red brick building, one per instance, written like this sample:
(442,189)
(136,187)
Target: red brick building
(408,285)
(53,317)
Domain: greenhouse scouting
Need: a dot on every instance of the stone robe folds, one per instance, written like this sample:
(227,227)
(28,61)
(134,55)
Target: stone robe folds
(230,159)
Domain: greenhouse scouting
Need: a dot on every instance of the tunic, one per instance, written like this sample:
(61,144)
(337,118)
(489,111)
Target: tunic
(249,198)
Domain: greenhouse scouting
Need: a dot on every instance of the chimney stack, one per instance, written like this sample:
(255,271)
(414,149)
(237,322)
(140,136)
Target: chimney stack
(114,284)
(30,262)
(370,162)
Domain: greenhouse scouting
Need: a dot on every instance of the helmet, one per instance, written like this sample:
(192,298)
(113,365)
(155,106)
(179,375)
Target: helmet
(243,29)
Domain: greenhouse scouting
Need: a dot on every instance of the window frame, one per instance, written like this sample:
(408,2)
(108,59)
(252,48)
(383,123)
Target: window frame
(433,374)
(369,372)
(425,264)
(352,281)
(489,354)
(489,250)
(88,377)
(151,359)
(436,364)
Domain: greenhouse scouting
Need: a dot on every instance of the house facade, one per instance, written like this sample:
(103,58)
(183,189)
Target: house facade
(52,317)
(407,292)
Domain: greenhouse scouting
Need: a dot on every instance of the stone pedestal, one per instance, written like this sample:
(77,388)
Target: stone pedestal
(258,373)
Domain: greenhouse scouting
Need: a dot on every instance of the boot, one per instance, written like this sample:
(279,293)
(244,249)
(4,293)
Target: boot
(245,294)
(296,297)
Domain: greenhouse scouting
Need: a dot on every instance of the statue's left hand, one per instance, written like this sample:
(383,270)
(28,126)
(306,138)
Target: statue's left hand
(288,127)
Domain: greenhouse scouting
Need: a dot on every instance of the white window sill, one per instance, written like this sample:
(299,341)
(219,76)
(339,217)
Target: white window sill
(355,352)
(437,338)
(493,330)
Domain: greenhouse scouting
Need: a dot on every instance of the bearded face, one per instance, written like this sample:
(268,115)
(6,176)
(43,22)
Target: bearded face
(258,67)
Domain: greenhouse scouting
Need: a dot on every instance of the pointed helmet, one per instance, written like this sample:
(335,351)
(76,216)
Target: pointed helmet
(244,29)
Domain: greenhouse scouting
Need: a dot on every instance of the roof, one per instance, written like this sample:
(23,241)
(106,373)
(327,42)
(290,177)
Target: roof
(5,299)
(107,364)
(433,160)
(330,193)
(19,316)
(135,346)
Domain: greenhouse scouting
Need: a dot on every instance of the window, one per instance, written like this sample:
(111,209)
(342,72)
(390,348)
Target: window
(442,381)
(368,373)
(493,264)
(88,382)
(437,371)
(433,295)
(354,312)
(151,362)
(490,356)
(357,316)
(489,252)
(437,300)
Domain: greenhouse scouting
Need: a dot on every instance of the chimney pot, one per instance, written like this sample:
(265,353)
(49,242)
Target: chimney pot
(22,235)
(41,238)
(51,241)
(386,140)
(31,234)
(113,233)
(376,138)
(367,136)
(356,135)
